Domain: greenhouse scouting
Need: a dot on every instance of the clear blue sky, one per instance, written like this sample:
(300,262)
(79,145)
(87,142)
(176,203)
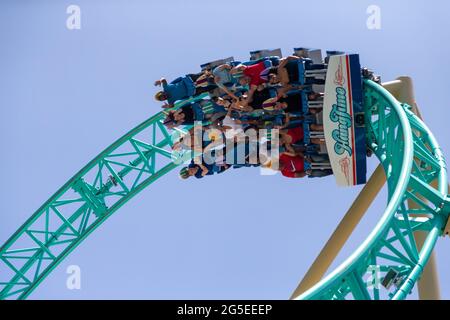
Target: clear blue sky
(65,95)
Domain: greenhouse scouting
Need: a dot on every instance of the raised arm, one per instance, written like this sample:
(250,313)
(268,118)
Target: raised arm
(160,82)
(228,92)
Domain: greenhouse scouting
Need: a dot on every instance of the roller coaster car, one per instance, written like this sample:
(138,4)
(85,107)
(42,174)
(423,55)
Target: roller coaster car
(309,73)
(344,118)
(211,65)
(314,54)
(317,161)
(331,53)
(275,60)
(264,53)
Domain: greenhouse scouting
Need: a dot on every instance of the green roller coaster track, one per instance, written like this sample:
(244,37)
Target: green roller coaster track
(406,148)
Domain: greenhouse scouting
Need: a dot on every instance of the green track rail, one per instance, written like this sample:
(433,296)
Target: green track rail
(406,148)
(412,160)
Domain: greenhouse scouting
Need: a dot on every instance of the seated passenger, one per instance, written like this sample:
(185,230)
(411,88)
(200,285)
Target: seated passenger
(293,102)
(193,140)
(222,74)
(291,165)
(240,154)
(231,127)
(183,116)
(262,94)
(251,75)
(293,120)
(315,96)
(318,159)
(295,136)
(285,73)
(291,136)
(204,81)
(224,80)
(259,96)
(212,110)
(288,72)
(202,169)
(182,88)
(239,104)
(202,110)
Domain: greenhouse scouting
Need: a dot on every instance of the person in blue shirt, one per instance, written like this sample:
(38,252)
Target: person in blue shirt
(222,75)
(224,80)
(179,89)
(182,88)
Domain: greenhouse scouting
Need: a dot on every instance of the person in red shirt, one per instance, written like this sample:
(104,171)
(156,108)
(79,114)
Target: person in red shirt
(296,135)
(292,165)
(251,76)
(291,136)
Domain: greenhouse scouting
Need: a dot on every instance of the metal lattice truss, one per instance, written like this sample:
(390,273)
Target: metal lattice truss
(129,165)
(388,263)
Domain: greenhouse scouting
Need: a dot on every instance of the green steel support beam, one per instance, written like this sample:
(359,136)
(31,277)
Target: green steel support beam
(411,158)
(83,203)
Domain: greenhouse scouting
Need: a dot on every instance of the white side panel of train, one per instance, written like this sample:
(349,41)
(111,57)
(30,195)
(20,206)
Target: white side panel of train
(338,121)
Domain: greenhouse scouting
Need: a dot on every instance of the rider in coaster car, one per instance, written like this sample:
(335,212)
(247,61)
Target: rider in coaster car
(288,72)
(185,87)
(225,81)
(243,153)
(250,75)
(293,102)
(263,93)
(295,136)
(240,104)
(291,165)
(201,169)
(183,116)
